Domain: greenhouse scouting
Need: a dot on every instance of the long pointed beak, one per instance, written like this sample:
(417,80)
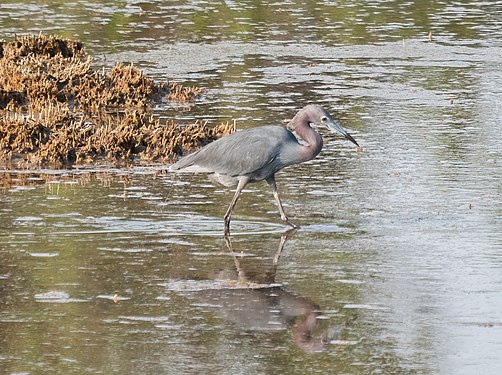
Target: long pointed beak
(333,125)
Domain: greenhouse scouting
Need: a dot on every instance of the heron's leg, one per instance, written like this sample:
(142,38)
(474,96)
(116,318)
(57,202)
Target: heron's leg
(271,182)
(242,182)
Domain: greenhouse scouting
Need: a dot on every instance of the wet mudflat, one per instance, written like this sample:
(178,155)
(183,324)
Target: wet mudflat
(397,266)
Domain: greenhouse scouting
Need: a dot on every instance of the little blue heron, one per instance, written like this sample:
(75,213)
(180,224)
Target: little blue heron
(256,154)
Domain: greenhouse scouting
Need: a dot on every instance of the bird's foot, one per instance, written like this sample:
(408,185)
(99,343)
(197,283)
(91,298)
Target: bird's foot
(290,223)
(226,229)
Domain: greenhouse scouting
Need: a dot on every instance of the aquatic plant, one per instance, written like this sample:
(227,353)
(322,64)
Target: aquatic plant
(56,109)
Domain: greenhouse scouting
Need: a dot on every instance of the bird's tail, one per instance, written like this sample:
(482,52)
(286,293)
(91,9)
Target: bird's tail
(184,162)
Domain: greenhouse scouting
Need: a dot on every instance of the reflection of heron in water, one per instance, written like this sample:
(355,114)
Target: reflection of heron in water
(267,307)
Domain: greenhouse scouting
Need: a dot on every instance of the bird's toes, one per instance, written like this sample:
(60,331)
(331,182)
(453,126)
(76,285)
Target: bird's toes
(290,223)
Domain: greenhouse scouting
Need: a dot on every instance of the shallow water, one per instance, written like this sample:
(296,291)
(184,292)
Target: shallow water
(397,265)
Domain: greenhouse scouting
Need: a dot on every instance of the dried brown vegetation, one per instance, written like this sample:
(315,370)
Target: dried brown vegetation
(55,109)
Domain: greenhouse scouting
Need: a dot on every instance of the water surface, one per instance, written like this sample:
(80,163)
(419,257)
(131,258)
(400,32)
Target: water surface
(397,266)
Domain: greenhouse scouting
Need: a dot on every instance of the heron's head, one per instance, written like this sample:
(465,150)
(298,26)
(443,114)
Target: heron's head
(317,115)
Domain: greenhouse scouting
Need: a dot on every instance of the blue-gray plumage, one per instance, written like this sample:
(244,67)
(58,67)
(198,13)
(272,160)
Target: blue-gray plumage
(257,154)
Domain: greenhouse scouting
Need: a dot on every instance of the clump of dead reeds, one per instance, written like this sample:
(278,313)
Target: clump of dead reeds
(56,109)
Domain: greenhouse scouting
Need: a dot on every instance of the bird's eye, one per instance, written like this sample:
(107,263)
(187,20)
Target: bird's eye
(324,118)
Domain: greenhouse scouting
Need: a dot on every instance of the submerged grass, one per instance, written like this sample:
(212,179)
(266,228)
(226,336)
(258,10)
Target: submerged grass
(56,110)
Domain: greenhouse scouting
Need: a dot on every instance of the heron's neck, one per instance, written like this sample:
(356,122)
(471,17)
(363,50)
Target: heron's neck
(311,137)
